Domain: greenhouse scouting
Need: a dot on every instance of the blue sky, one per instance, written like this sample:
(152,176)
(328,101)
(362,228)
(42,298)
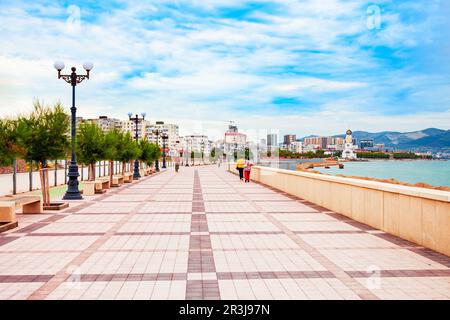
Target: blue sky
(303,66)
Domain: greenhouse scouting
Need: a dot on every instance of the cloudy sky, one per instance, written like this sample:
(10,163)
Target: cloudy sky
(290,66)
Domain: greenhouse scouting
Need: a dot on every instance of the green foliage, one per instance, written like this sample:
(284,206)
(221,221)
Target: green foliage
(9,139)
(373,155)
(248,154)
(216,154)
(405,155)
(111,144)
(127,148)
(146,152)
(90,143)
(308,155)
(155,152)
(44,133)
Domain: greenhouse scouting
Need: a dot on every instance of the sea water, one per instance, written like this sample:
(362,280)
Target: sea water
(433,172)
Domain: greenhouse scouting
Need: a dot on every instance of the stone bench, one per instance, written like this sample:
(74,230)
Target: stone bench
(101,185)
(28,204)
(128,177)
(117,181)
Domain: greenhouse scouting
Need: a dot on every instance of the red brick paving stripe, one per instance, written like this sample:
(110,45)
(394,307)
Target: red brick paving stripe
(202,290)
(25,278)
(432,255)
(149,233)
(201,258)
(54,218)
(79,207)
(401,273)
(102,213)
(64,234)
(133,277)
(395,240)
(330,232)
(225,233)
(275,275)
(32,227)
(5,240)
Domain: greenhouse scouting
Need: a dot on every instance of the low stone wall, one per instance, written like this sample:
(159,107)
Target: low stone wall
(419,215)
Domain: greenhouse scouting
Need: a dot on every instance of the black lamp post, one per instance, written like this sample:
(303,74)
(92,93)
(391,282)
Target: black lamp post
(73,193)
(164,138)
(157,132)
(203,150)
(136,119)
(187,153)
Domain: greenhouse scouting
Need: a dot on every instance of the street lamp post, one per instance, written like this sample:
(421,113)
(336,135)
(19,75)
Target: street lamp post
(157,132)
(187,153)
(73,192)
(136,119)
(192,155)
(164,138)
(203,150)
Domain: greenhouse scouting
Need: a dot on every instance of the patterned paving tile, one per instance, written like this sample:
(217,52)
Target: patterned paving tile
(203,234)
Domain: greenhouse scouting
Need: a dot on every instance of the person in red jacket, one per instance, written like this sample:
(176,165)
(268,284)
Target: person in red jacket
(247,170)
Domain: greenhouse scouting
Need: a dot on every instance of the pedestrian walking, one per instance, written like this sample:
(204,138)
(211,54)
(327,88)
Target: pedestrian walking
(247,170)
(240,165)
(177,165)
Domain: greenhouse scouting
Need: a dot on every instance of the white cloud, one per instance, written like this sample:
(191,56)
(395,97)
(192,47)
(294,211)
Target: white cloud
(196,68)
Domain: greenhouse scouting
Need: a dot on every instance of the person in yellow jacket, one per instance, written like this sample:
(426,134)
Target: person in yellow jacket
(240,166)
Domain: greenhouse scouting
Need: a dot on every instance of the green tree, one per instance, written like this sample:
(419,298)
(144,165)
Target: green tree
(110,145)
(44,136)
(9,142)
(146,152)
(90,146)
(155,152)
(127,149)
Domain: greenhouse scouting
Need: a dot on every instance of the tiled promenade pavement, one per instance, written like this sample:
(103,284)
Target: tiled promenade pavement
(203,234)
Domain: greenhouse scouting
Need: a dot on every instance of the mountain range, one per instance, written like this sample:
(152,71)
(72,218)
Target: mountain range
(431,139)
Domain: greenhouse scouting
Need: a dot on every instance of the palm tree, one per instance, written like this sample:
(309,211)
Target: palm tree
(90,146)
(44,135)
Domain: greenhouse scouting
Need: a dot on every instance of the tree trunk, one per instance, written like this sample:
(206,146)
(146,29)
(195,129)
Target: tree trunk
(111,164)
(43,174)
(123,167)
(93,171)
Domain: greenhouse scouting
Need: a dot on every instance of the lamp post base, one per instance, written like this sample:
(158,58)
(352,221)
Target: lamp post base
(136,174)
(73,193)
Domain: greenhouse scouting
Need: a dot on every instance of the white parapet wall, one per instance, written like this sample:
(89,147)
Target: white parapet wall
(419,215)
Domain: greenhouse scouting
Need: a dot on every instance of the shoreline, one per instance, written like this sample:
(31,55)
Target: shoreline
(299,166)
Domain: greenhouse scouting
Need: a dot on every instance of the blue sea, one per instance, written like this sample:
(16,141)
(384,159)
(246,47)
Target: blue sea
(433,172)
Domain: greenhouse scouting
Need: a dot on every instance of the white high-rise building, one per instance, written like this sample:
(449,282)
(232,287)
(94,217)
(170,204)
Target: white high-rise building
(130,126)
(172,130)
(199,144)
(234,140)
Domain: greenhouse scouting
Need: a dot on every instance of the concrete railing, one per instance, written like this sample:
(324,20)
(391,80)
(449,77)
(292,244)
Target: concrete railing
(419,215)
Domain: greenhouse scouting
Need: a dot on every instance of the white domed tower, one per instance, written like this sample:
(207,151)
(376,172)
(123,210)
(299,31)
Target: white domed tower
(349,147)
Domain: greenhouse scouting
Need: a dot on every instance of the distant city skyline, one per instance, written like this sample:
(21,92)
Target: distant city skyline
(290,66)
